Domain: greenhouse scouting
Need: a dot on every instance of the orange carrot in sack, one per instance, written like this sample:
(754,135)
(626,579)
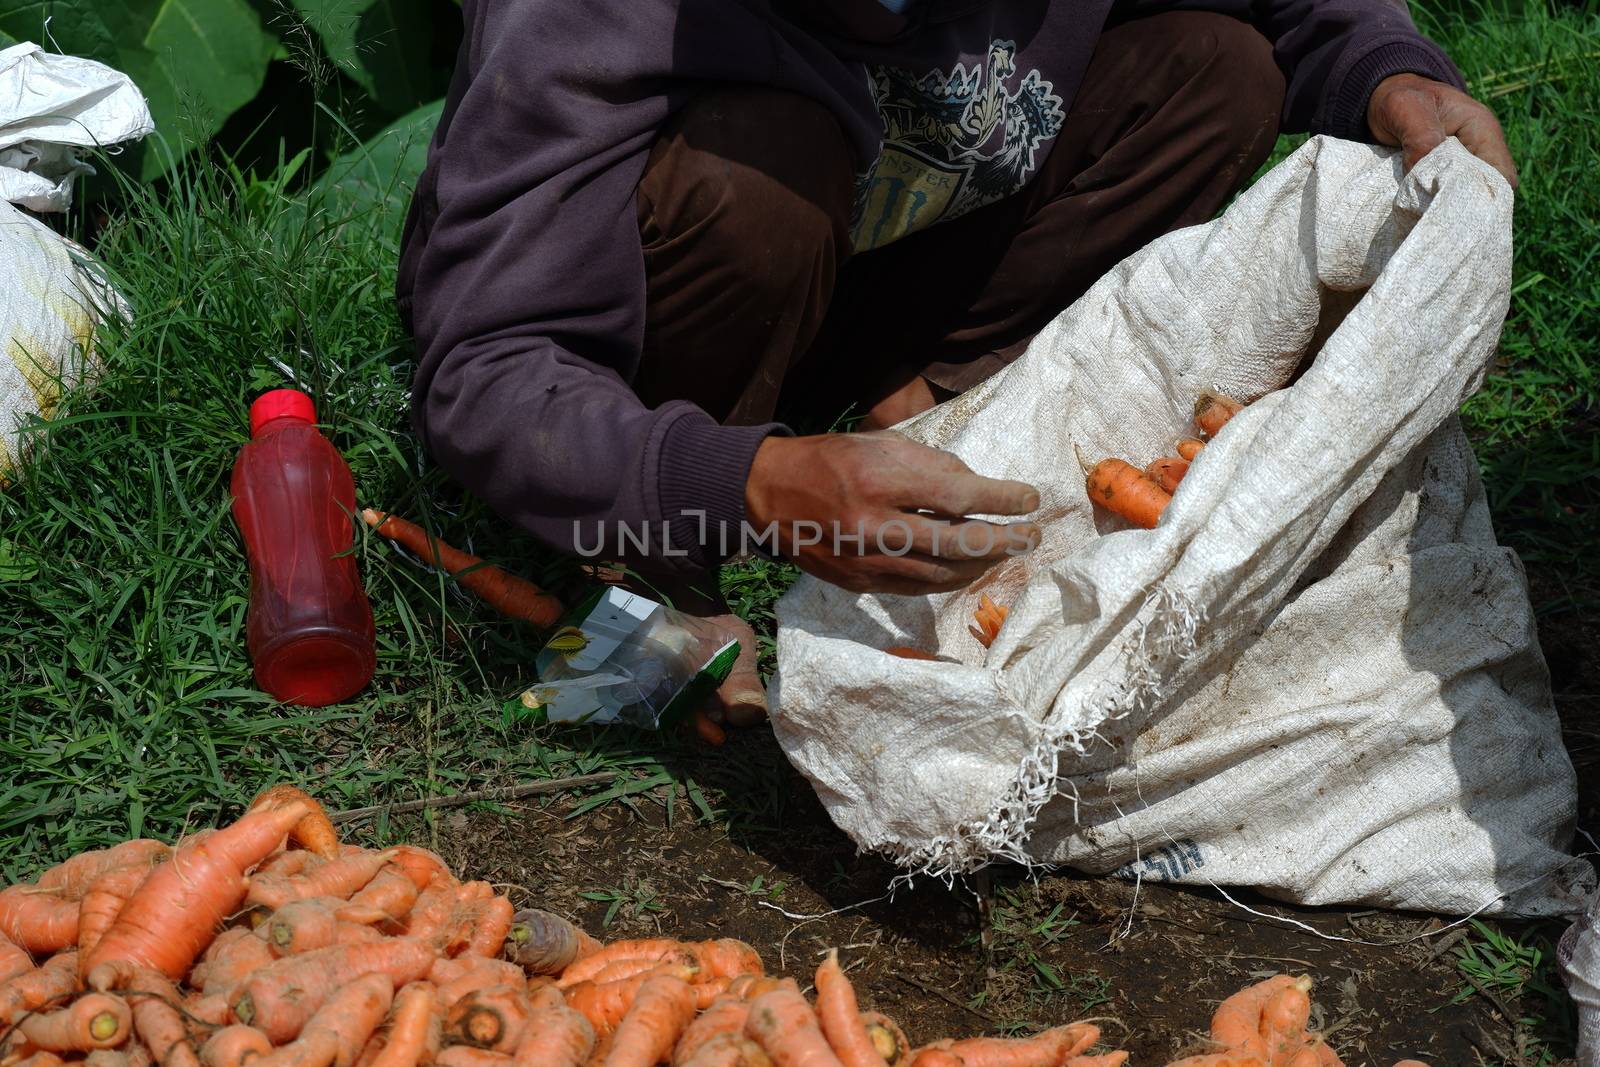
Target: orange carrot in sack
(234,1046)
(93,1021)
(492,1018)
(37,919)
(840,1016)
(989,617)
(175,912)
(103,902)
(1122,488)
(515,597)
(314,832)
(1189,448)
(907,652)
(14,960)
(58,978)
(725,1015)
(645,1036)
(556,1036)
(416,1033)
(888,1040)
(1044,1049)
(333,878)
(782,1023)
(585,968)
(1213,410)
(489,930)
(1167,472)
(280,998)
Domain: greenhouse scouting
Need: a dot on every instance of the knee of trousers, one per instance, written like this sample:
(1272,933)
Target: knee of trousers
(755,179)
(1233,71)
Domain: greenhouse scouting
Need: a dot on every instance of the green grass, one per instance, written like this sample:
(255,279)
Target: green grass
(126,700)
(1517,977)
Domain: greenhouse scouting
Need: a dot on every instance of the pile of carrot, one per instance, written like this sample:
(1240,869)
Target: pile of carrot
(270,943)
(1140,496)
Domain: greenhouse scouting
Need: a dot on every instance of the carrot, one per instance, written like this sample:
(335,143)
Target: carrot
(990,617)
(415,1034)
(1045,1049)
(280,998)
(390,892)
(492,1018)
(103,902)
(340,1028)
(94,1020)
(234,1046)
(907,652)
(106,1057)
(726,1015)
(591,963)
(433,911)
(645,1036)
(1237,1024)
(1189,448)
(420,865)
(334,878)
(1220,1059)
(175,912)
(58,978)
(301,926)
(1123,489)
(491,925)
(782,1023)
(708,731)
(14,960)
(479,974)
(729,1050)
(726,957)
(239,953)
(556,1036)
(467,1056)
(41,1058)
(314,832)
(933,1056)
(72,879)
(156,1019)
(617,970)
(1167,472)
(840,1016)
(138,1055)
(605,1005)
(1108,1059)
(1212,412)
(505,592)
(37,919)
(888,1040)
(707,990)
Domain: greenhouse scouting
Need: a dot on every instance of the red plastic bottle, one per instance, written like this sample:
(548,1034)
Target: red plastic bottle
(310,626)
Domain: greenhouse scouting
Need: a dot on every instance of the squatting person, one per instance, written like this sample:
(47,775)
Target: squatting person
(646,227)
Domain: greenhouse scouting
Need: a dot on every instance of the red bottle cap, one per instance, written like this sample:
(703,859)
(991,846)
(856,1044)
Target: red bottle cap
(281,404)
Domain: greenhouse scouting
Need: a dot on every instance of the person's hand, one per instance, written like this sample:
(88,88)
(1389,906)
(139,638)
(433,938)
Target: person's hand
(1415,114)
(907,502)
(741,700)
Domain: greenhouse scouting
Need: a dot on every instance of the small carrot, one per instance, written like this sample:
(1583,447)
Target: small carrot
(300,926)
(234,1046)
(93,1021)
(103,902)
(37,920)
(782,1023)
(1167,472)
(280,998)
(333,878)
(492,1018)
(707,730)
(1213,410)
(176,910)
(662,1008)
(415,1033)
(888,1040)
(492,922)
(515,597)
(907,652)
(591,963)
(1236,1025)
(420,865)
(58,978)
(989,617)
(314,832)
(156,1019)
(1189,448)
(1045,1049)
(390,892)
(556,1036)
(725,1015)
(1121,488)
(840,1016)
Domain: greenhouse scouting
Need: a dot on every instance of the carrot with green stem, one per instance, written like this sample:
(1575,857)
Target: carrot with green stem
(662,1008)
(840,1016)
(1125,490)
(1213,410)
(314,832)
(515,597)
(783,1024)
(94,1020)
(177,909)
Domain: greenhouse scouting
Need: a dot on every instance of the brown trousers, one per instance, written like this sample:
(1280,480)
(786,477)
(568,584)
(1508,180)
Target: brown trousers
(752,296)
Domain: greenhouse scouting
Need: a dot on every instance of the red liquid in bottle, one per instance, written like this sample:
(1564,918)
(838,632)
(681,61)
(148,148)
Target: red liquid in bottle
(310,627)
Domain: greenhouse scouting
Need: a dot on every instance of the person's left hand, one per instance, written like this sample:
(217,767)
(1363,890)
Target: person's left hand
(1415,114)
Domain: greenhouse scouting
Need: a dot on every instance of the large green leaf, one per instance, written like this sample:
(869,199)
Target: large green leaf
(382,45)
(197,61)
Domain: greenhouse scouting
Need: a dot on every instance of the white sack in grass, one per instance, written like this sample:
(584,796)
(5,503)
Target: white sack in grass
(1579,956)
(51,106)
(1319,675)
(54,298)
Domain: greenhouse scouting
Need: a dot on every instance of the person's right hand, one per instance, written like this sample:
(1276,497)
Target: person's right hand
(908,502)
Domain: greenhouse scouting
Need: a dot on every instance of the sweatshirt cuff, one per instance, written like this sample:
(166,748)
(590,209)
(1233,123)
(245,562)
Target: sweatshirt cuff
(1347,111)
(703,470)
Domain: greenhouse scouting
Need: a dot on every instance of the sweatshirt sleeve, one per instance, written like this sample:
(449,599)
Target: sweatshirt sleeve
(1333,53)
(522,279)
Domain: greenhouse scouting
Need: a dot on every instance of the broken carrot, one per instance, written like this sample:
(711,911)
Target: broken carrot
(1123,489)
(1167,472)
(1189,448)
(314,832)
(1213,410)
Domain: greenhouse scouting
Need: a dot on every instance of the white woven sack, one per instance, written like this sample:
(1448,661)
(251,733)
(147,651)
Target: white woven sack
(1319,674)
(55,298)
(1579,956)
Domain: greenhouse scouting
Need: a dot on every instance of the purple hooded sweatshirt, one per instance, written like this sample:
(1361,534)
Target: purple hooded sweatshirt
(522,275)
